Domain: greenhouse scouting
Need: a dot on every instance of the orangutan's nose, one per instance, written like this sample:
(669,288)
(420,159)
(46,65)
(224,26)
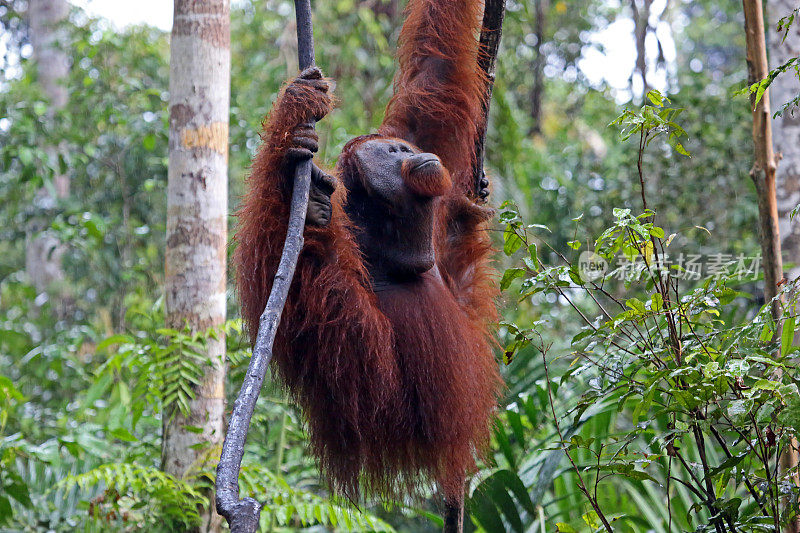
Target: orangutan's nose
(424,175)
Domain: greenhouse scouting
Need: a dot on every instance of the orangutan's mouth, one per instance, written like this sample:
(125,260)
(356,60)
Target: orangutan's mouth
(425,163)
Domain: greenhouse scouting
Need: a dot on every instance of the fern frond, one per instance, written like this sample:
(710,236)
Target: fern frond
(292,507)
(139,493)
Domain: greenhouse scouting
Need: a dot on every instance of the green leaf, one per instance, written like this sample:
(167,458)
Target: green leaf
(766,332)
(730,462)
(511,241)
(123,435)
(149,142)
(794,212)
(493,498)
(644,405)
(787,335)
(113,339)
(39,108)
(681,150)
(738,409)
(5,507)
(512,482)
(655,97)
(485,513)
(97,389)
(637,305)
(124,393)
(656,302)
(738,368)
(507,217)
(19,491)
(509,276)
(25,155)
(539,226)
(791,415)
(592,520)
(534,254)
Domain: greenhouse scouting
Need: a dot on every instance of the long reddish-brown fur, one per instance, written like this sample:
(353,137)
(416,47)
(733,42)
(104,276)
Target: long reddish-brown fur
(398,384)
(439,86)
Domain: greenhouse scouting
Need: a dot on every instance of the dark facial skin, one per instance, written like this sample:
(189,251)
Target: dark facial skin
(394,213)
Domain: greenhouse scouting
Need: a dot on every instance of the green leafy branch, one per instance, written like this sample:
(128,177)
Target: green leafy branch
(682,376)
(760,87)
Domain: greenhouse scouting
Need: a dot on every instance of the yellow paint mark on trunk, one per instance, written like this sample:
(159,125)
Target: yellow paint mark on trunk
(213,136)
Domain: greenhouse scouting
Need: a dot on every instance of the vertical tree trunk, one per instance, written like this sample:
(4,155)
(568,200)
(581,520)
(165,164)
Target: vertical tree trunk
(197,208)
(763,174)
(764,164)
(43,250)
(641,27)
(537,91)
(787,131)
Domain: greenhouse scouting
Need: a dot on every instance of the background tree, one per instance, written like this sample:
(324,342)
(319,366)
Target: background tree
(641,29)
(48,39)
(783,46)
(537,90)
(197,210)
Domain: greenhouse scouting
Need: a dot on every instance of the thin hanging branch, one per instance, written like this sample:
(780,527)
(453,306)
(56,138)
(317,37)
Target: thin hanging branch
(493,14)
(243,514)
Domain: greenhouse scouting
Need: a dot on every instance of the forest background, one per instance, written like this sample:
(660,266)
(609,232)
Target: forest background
(88,366)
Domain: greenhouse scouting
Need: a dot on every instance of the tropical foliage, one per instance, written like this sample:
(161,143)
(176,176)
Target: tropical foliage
(641,395)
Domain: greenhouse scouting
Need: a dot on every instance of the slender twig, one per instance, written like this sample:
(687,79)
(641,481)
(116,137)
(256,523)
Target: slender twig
(587,291)
(707,498)
(658,280)
(669,495)
(642,145)
(581,484)
(712,497)
(689,486)
(747,483)
(243,514)
(757,453)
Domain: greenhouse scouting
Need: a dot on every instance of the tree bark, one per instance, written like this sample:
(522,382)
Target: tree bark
(763,174)
(494,12)
(197,208)
(641,22)
(787,131)
(43,250)
(765,163)
(537,91)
